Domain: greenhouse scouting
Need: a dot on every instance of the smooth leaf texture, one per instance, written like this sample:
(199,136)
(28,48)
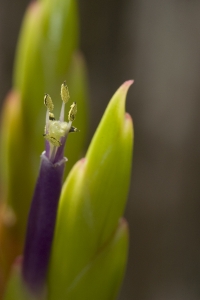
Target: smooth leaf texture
(92,202)
(102,276)
(48,39)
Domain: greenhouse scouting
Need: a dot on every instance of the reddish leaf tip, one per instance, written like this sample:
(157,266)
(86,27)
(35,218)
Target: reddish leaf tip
(128,117)
(125,86)
(128,83)
(18,261)
(123,222)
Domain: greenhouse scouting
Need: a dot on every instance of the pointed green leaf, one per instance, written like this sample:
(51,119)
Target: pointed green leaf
(93,197)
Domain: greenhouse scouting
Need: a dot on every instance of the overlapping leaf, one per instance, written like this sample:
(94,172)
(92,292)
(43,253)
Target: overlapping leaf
(91,204)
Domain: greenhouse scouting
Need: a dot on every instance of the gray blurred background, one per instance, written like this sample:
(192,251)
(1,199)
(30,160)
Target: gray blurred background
(157,43)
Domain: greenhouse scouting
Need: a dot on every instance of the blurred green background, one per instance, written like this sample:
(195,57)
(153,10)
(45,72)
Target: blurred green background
(157,43)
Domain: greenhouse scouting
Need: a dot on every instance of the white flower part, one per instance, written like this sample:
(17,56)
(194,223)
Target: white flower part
(57,129)
(52,140)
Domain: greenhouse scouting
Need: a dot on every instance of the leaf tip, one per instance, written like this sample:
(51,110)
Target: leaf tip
(128,83)
(128,117)
(123,224)
(17,263)
(122,91)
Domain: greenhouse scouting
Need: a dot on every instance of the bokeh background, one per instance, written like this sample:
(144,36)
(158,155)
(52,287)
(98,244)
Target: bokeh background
(157,43)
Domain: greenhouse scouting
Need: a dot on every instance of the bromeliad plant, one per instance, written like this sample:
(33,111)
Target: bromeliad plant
(76,240)
(84,256)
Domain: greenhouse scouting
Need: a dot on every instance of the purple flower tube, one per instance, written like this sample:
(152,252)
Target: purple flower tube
(42,215)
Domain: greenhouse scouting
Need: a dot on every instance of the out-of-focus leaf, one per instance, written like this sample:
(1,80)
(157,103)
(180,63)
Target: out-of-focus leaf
(78,89)
(16,180)
(93,198)
(16,177)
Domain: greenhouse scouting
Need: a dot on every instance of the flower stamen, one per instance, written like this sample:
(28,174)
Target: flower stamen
(65,98)
(72,112)
(48,102)
(64,92)
(56,132)
(51,116)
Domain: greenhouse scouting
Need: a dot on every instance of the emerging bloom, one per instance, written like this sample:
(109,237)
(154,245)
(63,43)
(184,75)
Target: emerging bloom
(42,216)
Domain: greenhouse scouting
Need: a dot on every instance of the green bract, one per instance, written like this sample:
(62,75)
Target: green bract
(91,205)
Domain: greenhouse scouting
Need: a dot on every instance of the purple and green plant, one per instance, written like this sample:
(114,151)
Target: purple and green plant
(76,240)
(84,257)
